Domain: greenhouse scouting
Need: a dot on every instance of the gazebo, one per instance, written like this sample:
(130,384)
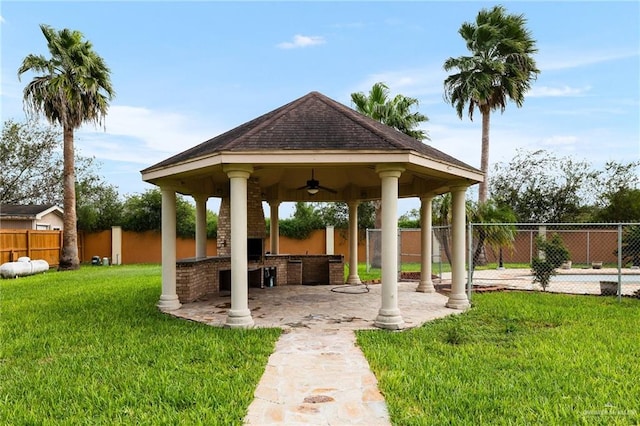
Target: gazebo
(313,149)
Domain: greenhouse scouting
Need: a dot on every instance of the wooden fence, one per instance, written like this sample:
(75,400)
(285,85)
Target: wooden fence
(45,245)
(143,247)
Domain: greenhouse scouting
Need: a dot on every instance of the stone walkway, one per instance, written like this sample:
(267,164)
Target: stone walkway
(317,374)
(317,377)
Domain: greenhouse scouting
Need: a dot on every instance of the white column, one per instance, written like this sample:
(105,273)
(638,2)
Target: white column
(274,227)
(329,244)
(239,315)
(116,245)
(169,298)
(353,278)
(426,235)
(458,298)
(389,315)
(201,225)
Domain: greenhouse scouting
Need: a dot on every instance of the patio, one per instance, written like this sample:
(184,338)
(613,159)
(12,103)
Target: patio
(320,308)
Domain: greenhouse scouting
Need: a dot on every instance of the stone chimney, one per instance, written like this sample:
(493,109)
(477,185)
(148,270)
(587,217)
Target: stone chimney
(256,227)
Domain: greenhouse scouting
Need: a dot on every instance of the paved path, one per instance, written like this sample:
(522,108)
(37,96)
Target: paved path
(317,378)
(317,375)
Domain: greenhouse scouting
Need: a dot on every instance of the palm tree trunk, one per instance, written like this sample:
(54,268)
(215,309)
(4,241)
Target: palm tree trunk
(483,191)
(69,257)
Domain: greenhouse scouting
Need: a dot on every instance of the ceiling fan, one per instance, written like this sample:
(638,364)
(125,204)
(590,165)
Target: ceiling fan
(313,186)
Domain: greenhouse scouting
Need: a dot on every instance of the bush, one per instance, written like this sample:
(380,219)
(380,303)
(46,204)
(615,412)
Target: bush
(554,254)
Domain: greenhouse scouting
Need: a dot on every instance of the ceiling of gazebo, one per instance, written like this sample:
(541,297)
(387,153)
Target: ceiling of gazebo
(341,146)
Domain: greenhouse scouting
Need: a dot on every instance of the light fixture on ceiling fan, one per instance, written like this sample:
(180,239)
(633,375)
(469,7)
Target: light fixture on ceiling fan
(313,186)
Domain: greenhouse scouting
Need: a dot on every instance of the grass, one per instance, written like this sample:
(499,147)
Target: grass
(515,358)
(90,347)
(436,268)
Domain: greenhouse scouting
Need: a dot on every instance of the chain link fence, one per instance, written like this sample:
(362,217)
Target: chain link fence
(409,251)
(591,258)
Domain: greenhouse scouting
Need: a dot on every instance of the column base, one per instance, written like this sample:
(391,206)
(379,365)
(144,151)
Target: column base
(426,287)
(239,319)
(168,303)
(353,280)
(458,301)
(389,319)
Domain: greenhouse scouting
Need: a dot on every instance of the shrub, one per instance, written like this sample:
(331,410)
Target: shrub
(554,254)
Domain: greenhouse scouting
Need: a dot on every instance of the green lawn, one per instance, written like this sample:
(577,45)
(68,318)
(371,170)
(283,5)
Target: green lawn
(90,347)
(515,359)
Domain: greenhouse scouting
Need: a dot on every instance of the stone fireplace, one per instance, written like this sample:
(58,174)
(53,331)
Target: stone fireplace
(197,277)
(256,228)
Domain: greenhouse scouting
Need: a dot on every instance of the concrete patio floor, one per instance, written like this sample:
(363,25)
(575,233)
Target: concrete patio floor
(320,307)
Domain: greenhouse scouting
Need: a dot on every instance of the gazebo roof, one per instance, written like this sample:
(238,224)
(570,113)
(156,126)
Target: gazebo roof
(313,132)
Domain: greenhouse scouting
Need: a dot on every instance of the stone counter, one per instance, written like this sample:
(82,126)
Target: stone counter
(197,277)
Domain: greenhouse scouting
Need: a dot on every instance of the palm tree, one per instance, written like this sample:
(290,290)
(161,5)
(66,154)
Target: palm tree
(494,228)
(394,112)
(500,67)
(73,87)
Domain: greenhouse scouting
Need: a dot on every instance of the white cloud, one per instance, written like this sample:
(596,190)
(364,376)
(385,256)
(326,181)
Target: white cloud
(142,135)
(302,41)
(414,82)
(573,58)
(554,92)
(2,21)
(555,141)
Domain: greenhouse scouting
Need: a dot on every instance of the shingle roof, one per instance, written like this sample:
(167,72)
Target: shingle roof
(312,122)
(27,211)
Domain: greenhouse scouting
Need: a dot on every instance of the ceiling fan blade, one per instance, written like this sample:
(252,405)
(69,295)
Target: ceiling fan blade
(333,191)
(302,187)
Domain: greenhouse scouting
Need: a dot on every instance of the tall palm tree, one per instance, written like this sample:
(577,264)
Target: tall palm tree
(72,87)
(501,67)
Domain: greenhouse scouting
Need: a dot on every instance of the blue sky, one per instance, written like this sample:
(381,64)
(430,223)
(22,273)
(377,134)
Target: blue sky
(186,71)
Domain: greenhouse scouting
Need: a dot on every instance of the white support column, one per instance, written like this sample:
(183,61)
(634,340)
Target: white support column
(353,278)
(329,240)
(274,227)
(239,315)
(201,225)
(389,316)
(169,298)
(426,235)
(458,298)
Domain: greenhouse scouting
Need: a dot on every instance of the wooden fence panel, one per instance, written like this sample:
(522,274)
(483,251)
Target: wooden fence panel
(44,245)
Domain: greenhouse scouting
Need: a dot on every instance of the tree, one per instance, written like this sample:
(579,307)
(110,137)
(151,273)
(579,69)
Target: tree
(542,187)
(73,87)
(337,215)
(622,206)
(98,206)
(305,219)
(631,245)
(29,164)
(494,228)
(410,220)
(143,212)
(501,67)
(395,113)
